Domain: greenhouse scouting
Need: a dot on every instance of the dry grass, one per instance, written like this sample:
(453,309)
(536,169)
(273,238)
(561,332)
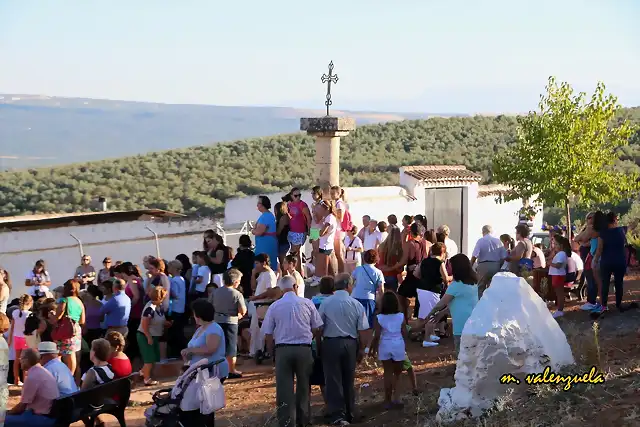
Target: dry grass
(613,403)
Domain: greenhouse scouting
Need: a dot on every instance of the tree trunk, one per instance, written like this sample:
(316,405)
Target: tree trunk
(568,220)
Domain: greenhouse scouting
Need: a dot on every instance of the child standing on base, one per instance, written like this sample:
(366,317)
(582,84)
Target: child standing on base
(389,345)
(353,249)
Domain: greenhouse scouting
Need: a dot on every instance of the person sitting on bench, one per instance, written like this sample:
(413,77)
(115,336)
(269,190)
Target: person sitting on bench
(50,360)
(100,372)
(38,393)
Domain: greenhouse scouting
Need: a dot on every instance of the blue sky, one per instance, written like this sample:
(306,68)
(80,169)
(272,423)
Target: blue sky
(404,55)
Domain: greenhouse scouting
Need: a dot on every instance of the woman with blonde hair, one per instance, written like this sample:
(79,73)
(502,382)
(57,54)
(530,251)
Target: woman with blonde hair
(85,272)
(390,251)
(151,328)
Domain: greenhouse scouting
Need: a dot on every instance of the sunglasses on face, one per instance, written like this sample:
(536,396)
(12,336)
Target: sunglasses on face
(296,195)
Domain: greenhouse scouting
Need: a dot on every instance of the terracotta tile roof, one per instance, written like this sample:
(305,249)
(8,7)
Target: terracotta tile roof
(492,190)
(442,174)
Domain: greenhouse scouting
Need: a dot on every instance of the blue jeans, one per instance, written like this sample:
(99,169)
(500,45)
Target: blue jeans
(592,286)
(618,271)
(28,418)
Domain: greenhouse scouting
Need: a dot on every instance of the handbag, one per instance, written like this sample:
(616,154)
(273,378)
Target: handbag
(210,392)
(63,329)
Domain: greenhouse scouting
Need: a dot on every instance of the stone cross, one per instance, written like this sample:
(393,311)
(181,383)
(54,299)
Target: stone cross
(328,79)
(327,131)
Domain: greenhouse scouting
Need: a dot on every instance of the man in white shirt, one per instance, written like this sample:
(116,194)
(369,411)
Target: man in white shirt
(452,247)
(372,237)
(490,253)
(290,324)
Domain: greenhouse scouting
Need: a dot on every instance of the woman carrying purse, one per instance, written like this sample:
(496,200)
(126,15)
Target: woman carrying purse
(67,333)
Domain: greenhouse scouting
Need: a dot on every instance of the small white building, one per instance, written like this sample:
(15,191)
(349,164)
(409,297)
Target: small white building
(448,195)
(128,236)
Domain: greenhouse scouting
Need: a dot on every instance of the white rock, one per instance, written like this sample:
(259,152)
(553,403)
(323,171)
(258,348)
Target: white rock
(510,331)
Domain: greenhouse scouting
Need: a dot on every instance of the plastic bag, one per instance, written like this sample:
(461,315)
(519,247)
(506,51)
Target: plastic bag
(210,393)
(189,400)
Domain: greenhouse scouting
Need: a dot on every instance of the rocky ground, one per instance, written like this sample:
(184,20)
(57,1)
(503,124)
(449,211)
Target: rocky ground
(251,400)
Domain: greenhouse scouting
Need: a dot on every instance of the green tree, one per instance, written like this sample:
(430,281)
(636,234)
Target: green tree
(567,151)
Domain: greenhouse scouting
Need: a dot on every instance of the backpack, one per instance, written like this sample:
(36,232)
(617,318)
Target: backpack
(346,223)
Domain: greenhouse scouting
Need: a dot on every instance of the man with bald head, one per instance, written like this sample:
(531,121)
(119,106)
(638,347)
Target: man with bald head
(39,391)
(490,253)
(290,324)
(344,321)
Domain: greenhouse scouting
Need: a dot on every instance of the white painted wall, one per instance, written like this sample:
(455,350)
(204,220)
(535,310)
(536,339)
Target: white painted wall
(125,241)
(379,202)
(503,217)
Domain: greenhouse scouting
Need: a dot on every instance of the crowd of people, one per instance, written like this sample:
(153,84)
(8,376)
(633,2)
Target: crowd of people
(317,317)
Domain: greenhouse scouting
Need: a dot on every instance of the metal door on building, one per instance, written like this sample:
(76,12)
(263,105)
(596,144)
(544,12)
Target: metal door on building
(443,206)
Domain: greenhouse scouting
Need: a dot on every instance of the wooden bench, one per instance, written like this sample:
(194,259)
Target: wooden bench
(86,405)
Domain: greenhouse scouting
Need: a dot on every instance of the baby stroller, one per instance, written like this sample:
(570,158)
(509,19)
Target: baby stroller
(166,411)
(261,312)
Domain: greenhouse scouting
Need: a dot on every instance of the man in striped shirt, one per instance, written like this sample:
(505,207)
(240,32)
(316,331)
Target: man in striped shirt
(290,324)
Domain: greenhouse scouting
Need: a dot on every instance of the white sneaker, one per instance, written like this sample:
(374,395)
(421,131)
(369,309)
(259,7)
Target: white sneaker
(429,344)
(588,306)
(558,314)
(434,338)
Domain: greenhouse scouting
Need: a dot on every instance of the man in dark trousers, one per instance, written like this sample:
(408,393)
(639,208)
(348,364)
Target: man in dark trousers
(342,347)
(290,324)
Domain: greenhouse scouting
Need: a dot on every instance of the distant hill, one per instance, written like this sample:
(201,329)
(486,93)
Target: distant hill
(38,131)
(198,180)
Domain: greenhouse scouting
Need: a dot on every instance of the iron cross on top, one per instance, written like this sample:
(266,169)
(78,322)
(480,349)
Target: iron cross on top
(328,79)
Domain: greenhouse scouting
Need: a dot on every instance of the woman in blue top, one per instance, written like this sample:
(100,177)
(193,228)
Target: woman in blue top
(265,232)
(367,281)
(461,296)
(611,255)
(207,343)
(208,340)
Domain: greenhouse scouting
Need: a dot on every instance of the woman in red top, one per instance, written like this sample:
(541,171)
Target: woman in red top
(120,363)
(390,253)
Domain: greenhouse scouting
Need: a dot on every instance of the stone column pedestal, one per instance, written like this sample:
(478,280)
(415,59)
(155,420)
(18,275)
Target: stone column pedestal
(327,131)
